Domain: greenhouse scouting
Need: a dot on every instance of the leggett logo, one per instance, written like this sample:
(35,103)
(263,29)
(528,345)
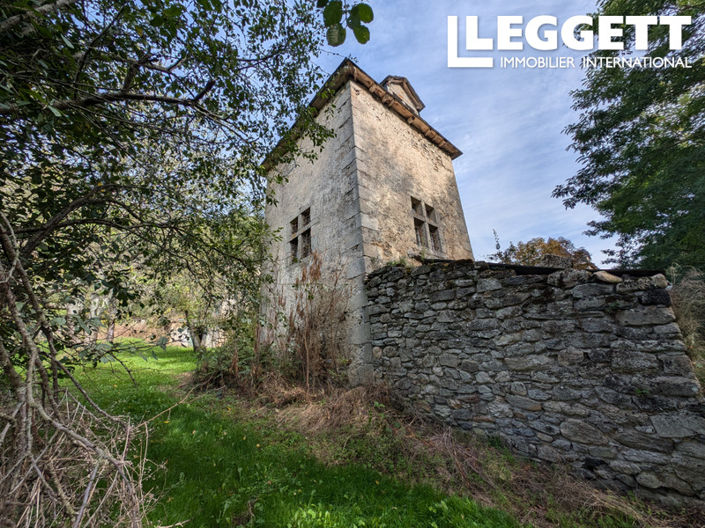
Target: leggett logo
(542,33)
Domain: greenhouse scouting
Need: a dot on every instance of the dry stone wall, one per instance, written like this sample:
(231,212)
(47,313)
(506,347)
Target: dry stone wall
(563,365)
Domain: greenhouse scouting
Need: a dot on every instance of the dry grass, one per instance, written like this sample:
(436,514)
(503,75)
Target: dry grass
(365,426)
(688,296)
(305,334)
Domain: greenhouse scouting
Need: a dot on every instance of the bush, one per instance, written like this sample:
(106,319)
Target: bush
(236,359)
(316,322)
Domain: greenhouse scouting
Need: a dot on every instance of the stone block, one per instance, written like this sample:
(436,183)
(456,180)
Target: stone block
(483,377)
(449,360)
(692,449)
(649,442)
(690,470)
(490,284)
(627,468)
(508,339)
(570,356)
(634,362)
(678,425)
(568,278)
(657,297)
(444,295)
(645,316)
(606,277)
(499,410)
(659,281)
(527,362)
(580,431)
(482,324)
(591,290)
(677,386)
(518,388)
(649,480)
(563,393)
(539,395)
(523,403)
(549,453)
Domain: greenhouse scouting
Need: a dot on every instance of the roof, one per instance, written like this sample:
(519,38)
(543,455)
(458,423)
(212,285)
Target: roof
(349,71)
(406,86)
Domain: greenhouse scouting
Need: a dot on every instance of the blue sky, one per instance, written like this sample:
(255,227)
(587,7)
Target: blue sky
(508,123)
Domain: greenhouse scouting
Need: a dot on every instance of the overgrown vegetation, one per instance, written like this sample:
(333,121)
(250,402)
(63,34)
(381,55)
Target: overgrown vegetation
(133,134)
(216,462)
(336,458)
(313,344)
(300,339)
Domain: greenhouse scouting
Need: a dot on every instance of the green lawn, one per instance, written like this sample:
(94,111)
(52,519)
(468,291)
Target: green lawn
(220,468)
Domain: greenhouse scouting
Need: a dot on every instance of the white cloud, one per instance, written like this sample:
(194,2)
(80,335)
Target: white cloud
(508,123)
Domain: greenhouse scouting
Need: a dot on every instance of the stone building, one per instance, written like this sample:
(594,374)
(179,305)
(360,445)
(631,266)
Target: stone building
(583,367)
(382,189)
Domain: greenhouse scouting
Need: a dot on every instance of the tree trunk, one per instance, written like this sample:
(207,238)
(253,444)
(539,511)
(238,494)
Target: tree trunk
(193,332)
(111,331)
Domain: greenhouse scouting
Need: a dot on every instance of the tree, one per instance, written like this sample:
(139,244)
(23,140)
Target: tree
(132,136)
(336,12)
(533,252)
(640,139)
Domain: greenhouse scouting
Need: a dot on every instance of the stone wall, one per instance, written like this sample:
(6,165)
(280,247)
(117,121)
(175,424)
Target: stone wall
(358,194)
(564,366)
(395,163)
(326,187)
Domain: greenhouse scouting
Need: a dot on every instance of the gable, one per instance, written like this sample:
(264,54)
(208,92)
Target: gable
(401,87)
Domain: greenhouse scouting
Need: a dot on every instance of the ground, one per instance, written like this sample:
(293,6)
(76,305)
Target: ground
(340,459)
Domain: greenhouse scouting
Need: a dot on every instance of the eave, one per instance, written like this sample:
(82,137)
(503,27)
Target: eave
(349,71)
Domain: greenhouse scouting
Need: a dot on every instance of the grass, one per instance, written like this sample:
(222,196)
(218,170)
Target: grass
(341,458)
(216,464)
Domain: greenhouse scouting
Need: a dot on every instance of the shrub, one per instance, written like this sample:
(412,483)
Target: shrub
(316,330)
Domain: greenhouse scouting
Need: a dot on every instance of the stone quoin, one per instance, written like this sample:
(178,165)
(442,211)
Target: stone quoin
(563,365)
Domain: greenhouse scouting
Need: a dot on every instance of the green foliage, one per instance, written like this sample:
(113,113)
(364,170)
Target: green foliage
(401,262)
(355,15)
(533,252)
(132,135)
(641,140)
(218,471)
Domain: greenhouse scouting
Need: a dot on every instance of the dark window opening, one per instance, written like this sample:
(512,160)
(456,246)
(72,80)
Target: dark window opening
(430,213)
(294,249)
(417,206)
(420,228)
(306,243)
(300,239)
(435,238)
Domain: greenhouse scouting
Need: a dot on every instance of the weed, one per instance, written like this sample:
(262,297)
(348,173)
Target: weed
(218,464)
(401,262)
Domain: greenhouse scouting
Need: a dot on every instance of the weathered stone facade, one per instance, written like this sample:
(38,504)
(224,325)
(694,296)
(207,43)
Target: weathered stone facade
(355,203)
(573,366)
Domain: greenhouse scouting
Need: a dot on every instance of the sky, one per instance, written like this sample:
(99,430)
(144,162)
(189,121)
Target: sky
(507,122)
